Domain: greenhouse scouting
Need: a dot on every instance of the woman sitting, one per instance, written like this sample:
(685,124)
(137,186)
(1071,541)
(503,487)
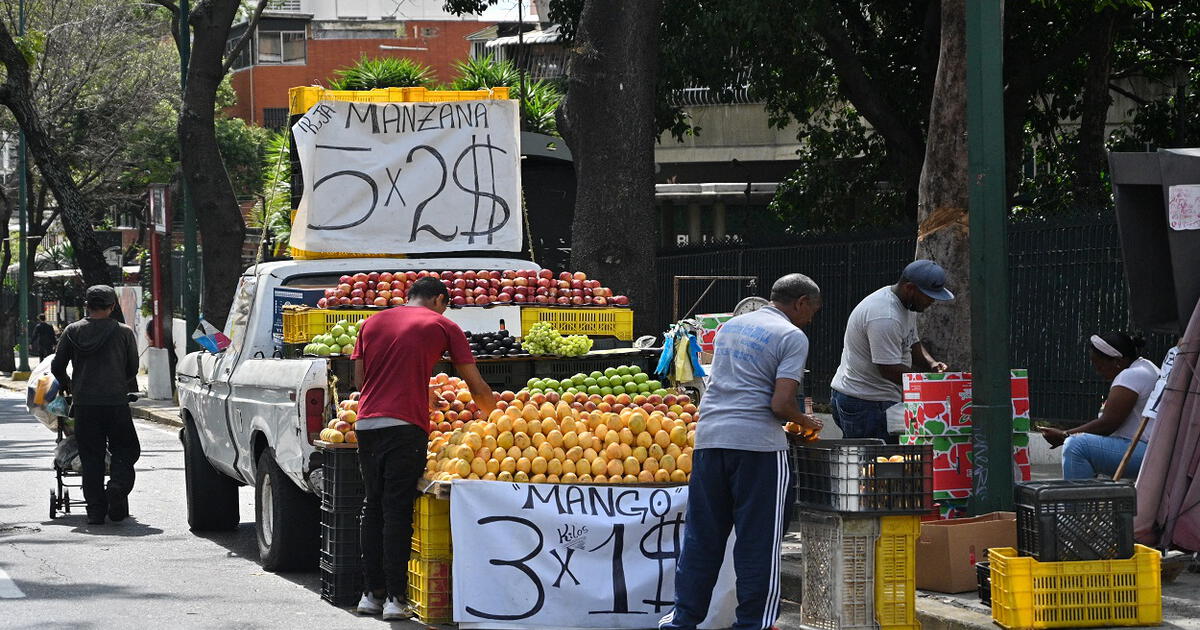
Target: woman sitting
(1098,446)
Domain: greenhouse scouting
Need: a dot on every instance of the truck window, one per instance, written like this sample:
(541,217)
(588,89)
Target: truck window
(239,313)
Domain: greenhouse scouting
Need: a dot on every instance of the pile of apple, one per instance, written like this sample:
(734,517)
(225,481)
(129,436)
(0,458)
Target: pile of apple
(341,428)
(475,288)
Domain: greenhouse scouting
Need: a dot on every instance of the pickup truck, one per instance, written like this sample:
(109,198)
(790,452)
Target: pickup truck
(249,416)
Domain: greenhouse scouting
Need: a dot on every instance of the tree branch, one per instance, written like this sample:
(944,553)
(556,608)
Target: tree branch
(174,9)
(245,38)
(1127,94)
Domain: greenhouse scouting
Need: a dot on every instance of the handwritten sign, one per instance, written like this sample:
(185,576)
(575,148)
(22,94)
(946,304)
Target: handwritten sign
(571,556)
(400,178)
(1183,207)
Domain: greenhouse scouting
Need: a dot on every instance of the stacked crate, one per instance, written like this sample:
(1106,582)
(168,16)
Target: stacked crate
(860,504)
(341,504)
(1077,565)
(429,583)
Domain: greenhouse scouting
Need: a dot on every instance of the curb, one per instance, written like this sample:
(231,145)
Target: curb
(935,614)
(155,415)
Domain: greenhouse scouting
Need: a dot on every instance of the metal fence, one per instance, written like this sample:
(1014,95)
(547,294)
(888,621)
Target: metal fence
(1066,282)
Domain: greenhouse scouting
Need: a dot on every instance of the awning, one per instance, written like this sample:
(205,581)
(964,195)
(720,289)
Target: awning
(548,36)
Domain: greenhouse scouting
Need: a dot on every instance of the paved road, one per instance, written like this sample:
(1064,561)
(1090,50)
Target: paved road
(146,572)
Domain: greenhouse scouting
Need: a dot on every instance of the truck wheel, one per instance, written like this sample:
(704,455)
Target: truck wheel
(212,498)
(287,519)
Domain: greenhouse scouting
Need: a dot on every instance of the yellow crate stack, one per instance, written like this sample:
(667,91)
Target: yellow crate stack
(301,324)
(1090,593)
(896,572)
(615,322)
(301,99)
(429,582)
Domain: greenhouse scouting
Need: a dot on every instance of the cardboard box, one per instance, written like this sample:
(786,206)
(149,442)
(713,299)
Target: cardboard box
(948,550)
(940,404)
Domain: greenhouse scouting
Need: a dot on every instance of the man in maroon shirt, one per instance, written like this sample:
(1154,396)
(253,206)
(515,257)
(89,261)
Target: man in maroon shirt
(393,361)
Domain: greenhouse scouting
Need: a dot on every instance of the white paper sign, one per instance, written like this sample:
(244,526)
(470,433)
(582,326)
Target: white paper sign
(402,178)
(1183,207)
(571,556)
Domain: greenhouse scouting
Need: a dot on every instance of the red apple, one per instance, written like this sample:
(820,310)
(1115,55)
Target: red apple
(519,298)
(357,301)
(620,300)
(579,275)
(543,282)
(495,275)
(321,303)
(458,299)
(577,284)
(470,299)
(482,300)
(545,273)
(357,293)
(373,276)
(468,275)
(362,286)
(564,284)
(360,277)
(369,295)
(380,302)
(385,294)
(563,300)
(509,274)
(386,276)
(396,301)
(412,276)
(346,280)
(504,297)
(541,299)
(599,301)
(576,292)
(566,275)
(344,301)
(477,291)
(577,300)
(446,275)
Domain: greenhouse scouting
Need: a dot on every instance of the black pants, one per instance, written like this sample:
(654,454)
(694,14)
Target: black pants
(100,428)
(391,460)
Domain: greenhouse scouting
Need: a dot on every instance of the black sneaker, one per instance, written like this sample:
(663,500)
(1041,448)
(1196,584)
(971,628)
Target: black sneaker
(118,504)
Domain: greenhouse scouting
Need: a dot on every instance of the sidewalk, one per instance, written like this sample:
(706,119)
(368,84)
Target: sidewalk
(160,411)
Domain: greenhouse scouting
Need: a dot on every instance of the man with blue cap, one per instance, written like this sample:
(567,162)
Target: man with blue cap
(881,344)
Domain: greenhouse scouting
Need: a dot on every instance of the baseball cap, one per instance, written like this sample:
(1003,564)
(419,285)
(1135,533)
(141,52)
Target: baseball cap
(101,295)
(929,277)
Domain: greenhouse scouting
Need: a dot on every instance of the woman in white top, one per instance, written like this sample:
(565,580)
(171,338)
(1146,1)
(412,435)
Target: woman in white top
(1098,446)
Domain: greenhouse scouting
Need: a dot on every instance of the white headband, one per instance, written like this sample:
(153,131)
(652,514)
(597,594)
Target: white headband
(1103,346)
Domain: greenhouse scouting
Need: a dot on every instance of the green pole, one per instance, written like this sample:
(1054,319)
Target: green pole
(23,277)
(191,298)
(991,410)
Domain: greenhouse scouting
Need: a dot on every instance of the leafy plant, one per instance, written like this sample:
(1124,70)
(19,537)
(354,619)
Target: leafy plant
(382,72)
(275,210)
(538,105)
(482,73)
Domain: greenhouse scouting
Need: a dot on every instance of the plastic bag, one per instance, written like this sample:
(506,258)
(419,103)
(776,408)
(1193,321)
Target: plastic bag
(66,455)
(59,407)
(41,390)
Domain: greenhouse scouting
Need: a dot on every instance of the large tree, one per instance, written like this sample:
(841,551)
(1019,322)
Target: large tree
(210,190)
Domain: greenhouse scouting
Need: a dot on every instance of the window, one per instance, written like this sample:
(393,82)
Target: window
(281,47)
(284,5)
(244,57)
(275,117)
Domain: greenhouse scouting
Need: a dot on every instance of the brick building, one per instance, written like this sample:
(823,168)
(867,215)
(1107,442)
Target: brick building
(301,42)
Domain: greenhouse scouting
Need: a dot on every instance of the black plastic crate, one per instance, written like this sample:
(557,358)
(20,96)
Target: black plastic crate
(1060,521)
(339,544)
(983,573)
(340,564)
(341,588)
(501,374)
(341,481)
(856,476)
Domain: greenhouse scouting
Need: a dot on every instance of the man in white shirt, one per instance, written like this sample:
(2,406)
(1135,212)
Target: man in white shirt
(881,344)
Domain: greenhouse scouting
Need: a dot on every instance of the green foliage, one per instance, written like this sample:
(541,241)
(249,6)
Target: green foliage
(539,103)
(382,72)
(32,44)
(274,211)
(482,73)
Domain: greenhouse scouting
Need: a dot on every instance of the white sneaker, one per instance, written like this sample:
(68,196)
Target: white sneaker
(369,605)
(393,610)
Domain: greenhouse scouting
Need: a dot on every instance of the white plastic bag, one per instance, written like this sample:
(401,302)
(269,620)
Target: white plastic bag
(895,419)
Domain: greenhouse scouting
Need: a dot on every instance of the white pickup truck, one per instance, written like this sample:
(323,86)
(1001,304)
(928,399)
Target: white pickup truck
(248,416)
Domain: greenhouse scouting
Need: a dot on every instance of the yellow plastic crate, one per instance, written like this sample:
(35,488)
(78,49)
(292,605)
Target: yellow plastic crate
(1092,593)
(615,322)
(303,98)
(300,325)
(896,572)
(431,527)
(430,588)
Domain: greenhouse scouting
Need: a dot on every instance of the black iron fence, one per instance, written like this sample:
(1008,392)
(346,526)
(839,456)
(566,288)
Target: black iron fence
(1066,282)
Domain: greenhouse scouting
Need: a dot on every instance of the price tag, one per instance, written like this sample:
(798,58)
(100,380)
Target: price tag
(571,556)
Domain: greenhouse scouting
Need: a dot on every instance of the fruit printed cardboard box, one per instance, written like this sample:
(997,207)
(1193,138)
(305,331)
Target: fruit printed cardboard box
(954,462)
(710,324)
(940,404)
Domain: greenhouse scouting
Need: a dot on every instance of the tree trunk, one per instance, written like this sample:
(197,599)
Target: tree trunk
(222,229)
(607,120)
(77,218)
(942,233)
(8,298)
(1090,158)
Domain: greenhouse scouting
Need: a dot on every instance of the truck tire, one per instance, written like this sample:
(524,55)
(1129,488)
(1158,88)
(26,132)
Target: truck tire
(212,498)
(287,519)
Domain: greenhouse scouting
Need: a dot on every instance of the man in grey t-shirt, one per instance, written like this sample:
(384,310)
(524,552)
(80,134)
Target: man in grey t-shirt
(881,344)
(740,475)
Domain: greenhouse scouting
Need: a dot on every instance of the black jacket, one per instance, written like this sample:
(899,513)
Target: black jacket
(104,356)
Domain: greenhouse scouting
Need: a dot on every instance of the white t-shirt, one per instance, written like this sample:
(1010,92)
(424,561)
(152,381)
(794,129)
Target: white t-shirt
(1140,377)
(880,331)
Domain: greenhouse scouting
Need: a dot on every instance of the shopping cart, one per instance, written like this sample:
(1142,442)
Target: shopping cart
(67,473)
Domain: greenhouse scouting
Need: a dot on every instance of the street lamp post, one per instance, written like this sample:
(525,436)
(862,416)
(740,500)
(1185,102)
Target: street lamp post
(24,274)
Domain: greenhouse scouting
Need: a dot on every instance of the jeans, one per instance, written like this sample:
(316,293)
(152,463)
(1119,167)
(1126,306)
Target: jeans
(391,460)
(101,428)
(1085,455)
(860,418)
(750,493)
